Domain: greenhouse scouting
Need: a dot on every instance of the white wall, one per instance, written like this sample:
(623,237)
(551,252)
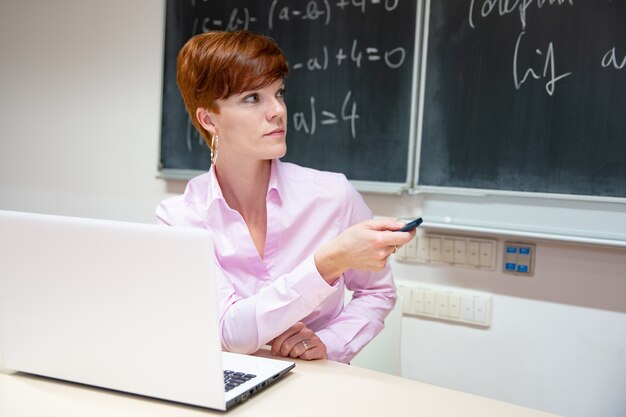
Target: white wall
(80,90)
(557,340)
(80,106)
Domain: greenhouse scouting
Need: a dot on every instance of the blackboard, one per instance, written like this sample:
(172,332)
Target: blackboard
(525,96)
(349,93)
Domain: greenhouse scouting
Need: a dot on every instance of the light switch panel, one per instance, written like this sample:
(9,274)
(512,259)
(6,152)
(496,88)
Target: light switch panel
(454,306)
(410,249)
(423,249)
(447,304)
(430,302)
(519,258)
(447,250)
(473,253)
(442,304)
(418,300)
(435,249)
(459,251)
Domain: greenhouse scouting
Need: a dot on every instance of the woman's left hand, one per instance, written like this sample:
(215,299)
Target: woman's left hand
(299,342)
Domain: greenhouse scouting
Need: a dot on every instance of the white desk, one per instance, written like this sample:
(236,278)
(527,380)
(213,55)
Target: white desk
(318,388)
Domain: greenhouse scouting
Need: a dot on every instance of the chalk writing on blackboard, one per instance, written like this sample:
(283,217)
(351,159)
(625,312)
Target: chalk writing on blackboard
(525,95)
(548,72)
(610,60)
(350,90)
(348,114)
(392,58)
(307,121)
(241,18)
(505,7)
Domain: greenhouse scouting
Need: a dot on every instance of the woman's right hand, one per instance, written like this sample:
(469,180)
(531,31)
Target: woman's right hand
(364,246)
(299,342)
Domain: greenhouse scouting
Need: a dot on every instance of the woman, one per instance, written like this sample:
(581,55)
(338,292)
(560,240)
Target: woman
(288,239)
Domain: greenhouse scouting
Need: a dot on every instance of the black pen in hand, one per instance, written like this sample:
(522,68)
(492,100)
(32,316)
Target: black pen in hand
(411,225)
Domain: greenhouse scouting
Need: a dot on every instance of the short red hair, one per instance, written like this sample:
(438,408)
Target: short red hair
(216,65)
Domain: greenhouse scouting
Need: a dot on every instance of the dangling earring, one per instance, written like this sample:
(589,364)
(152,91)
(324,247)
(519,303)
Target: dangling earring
(214,142)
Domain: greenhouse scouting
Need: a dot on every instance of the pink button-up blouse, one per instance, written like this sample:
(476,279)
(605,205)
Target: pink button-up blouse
(260,298)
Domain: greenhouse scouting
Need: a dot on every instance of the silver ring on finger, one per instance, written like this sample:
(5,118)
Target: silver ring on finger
(306,345)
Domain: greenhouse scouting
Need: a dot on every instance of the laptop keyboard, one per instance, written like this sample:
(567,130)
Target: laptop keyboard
(233,379)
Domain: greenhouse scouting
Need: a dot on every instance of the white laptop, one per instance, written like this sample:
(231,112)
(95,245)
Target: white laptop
(126,306)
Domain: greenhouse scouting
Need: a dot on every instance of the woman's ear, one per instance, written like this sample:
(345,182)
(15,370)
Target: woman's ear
(204,118)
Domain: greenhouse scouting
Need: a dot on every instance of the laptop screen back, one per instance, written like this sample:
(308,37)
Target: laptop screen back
(126,306)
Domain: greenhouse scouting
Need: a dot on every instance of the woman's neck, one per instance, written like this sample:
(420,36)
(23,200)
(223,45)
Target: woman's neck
(244,187)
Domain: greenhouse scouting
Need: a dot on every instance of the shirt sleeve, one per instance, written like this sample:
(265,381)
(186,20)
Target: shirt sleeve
(249,323)
(374,296)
